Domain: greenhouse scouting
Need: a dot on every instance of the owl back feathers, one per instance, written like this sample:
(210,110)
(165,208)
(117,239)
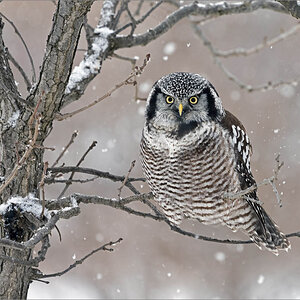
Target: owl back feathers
(266,233)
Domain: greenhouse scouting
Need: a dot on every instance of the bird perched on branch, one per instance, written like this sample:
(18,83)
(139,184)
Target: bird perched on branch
(194,153)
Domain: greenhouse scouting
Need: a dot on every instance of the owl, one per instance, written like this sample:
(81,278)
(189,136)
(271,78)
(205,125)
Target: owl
(194,153)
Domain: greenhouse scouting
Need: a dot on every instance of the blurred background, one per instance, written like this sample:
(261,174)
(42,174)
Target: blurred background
(152,261)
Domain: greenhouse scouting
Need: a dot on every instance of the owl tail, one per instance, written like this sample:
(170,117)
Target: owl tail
(268,235)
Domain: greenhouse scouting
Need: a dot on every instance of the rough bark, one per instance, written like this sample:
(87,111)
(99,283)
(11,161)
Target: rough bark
(292,6)
(14,134)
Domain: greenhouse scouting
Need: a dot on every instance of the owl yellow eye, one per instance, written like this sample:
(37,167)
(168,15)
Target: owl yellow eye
(193,100)
(169,99)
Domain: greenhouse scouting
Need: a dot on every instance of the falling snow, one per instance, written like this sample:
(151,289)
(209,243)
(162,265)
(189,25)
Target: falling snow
(111,143)
(169,48)
(276,130)
(141,110)
(145,87)
(261,279)
(287,91)
(99,237)
(99,276)
(235,95)
(220,256)
(239,248)
(74,256)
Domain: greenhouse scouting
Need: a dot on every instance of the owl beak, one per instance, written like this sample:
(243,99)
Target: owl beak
(180,108)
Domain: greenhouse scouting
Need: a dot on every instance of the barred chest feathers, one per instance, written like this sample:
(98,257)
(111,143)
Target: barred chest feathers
(190,175)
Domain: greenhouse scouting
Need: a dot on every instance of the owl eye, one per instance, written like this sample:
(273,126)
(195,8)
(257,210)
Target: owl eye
(193,100)
(169,99)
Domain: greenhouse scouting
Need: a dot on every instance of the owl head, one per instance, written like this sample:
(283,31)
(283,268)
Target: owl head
(180,102)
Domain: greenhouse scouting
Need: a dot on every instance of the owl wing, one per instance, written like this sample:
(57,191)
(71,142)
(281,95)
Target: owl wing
(243,151)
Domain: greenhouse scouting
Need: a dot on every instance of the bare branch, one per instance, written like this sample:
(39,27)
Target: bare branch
(262,87)
(42,187)
(127,81)
(23,42)
(73,180)
(105,247)
(73,137)
(133,62)
(20,69)
(271,181)
(195,8)
(144,198)
(34,262)
(134,22)
(94,143)
(266,43)
(125,179)
(98,173)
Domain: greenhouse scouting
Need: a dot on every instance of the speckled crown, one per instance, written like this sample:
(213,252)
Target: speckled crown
(182,84)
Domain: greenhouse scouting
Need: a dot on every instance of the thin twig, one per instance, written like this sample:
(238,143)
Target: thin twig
(128,80)
(125,179)
(134,22)
(20,69)
(133,62)
(94,143)
(73,180)
(262,87)
(73,137)
(23,42)
(105,247)
(271,181)
(42,187)
(266,43)
(90,171)
(139,7)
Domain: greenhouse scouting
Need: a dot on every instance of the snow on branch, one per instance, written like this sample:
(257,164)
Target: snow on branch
(90,66)
(195,8)
(129,80)
(92,62)
(29,204)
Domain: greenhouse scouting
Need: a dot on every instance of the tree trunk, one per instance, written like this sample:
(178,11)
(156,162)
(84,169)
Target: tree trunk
(15,113)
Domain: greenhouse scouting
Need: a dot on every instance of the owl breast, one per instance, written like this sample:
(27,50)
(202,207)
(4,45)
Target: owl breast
(189,176)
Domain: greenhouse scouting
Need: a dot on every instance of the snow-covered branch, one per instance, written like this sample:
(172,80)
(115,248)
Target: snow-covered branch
(90,66)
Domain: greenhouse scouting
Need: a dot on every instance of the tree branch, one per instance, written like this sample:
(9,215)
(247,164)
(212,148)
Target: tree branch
(91,65)
(211,9)
(23,42)
(127,81)
(105,247)
(94,143)
(59,54)
(262,87)
(101,174)
(292,6)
